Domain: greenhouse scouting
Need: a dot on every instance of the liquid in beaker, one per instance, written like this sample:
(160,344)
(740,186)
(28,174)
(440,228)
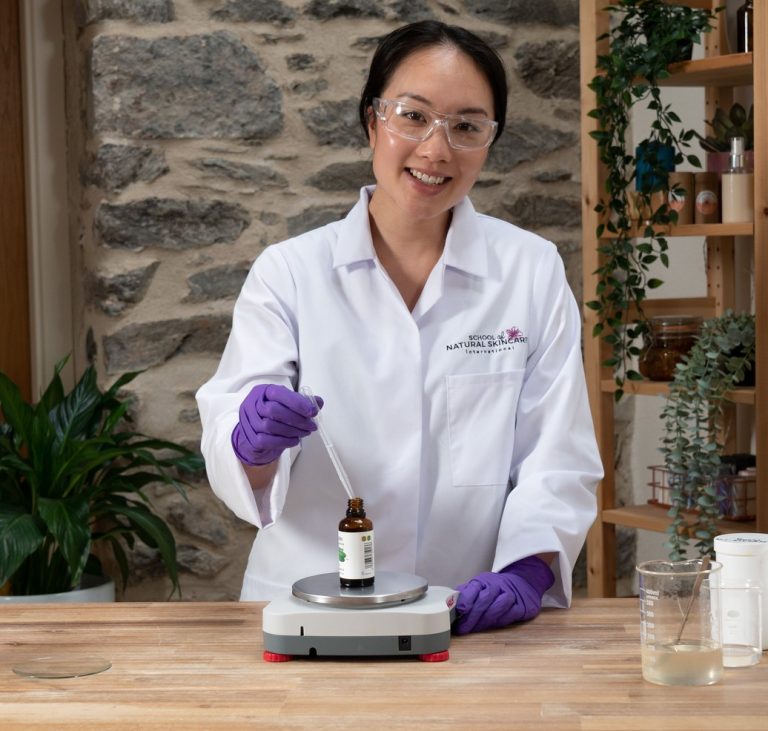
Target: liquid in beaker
(680,624)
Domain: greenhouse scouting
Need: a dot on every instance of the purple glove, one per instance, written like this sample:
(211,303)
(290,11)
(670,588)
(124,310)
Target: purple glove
(494,600)
(272,418)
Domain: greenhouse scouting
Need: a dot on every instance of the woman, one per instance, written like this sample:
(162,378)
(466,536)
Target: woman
(446,347)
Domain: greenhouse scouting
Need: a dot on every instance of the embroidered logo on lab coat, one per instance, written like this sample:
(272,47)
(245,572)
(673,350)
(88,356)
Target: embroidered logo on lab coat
(507,339)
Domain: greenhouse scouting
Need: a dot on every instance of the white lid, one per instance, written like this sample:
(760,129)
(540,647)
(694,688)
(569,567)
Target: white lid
(742,544)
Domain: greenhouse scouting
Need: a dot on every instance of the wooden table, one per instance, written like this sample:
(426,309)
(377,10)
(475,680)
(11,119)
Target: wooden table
(199,665)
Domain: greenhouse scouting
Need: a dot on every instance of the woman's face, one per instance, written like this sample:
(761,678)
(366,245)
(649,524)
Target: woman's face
(442,79)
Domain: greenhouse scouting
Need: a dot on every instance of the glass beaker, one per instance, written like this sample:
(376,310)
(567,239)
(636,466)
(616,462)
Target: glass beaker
(680,622)
(741,603)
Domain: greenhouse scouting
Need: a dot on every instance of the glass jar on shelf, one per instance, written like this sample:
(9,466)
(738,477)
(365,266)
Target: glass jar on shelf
(668,339)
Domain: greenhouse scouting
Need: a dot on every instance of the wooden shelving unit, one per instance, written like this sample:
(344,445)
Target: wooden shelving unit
(654,517)
(701,229)
(658,388)
(729,70)
(719,73)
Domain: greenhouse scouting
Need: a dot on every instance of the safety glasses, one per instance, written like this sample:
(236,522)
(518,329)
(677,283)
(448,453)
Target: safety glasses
(418,123)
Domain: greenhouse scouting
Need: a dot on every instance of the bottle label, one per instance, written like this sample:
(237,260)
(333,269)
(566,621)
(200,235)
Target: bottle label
(706,202)
(676,200)
(356,555)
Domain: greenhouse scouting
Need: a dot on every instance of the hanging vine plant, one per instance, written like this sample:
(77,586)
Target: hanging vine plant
(721,357)
(647,36)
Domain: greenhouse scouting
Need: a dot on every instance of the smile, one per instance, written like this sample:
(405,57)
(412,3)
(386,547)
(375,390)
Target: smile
(428,179)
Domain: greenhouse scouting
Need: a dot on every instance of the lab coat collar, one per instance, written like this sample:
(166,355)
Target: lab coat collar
(465,245)
(354,242)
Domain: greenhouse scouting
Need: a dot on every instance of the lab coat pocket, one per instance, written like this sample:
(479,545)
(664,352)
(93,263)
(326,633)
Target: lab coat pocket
(481,426)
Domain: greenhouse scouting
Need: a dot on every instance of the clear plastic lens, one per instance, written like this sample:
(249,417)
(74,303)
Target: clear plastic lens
(417,123)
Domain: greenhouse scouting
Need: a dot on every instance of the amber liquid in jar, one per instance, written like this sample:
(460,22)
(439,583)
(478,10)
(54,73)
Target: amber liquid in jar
(356,559)
(667,341)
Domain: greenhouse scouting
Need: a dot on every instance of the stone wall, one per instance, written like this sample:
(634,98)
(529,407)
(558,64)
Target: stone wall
(201,131)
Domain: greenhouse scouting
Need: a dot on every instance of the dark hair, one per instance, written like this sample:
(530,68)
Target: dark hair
(396,46)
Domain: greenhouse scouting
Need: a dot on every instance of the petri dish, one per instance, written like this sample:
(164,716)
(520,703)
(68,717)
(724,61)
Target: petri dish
(61,666)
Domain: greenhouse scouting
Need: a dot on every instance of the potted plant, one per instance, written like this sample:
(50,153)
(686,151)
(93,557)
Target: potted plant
(724,126)
(721,359)
(659,20)
(628,74)
(73,475)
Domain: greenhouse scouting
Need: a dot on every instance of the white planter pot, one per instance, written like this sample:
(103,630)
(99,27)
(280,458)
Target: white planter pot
(93,589)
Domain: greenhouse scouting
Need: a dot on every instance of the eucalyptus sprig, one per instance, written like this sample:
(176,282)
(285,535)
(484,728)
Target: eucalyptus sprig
(693,425)
(645,39)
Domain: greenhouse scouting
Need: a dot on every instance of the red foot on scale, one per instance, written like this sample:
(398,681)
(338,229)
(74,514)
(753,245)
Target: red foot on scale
(434,656)
(276,657)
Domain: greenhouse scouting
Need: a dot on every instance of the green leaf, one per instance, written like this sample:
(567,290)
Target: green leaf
(20,537)
(67,520)
(120,557)
(16,412)
(115,418)
(74,416)
(154,532)
(54,393)
(123,380)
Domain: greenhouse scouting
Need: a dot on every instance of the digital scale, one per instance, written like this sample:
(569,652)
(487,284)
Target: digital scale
(398,616)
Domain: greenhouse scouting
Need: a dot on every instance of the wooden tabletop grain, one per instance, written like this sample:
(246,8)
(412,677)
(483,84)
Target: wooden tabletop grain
(185,665)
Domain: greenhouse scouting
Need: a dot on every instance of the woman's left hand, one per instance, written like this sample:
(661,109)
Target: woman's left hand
(494,600)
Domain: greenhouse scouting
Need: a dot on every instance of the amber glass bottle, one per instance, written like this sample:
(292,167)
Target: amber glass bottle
(356,546)
(744,28)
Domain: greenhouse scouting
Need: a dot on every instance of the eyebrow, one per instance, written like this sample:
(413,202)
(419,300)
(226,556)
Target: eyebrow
(465,110)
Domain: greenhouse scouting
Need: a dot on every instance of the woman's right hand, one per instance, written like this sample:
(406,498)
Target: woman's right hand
(272,418)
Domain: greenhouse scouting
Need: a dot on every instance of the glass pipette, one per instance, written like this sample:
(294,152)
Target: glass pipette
(340,471)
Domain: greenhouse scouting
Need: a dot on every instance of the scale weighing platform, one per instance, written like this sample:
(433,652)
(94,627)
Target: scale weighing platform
(398,615)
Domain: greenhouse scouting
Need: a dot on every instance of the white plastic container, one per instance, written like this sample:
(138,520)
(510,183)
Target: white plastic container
(744,557)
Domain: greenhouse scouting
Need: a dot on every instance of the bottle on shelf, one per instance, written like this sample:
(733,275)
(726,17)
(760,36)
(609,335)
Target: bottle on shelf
(356,567)
(737,184)
(680,197)
(744,28)
(706,199)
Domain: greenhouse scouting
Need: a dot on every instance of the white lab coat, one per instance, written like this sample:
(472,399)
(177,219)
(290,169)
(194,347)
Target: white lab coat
(464,424)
